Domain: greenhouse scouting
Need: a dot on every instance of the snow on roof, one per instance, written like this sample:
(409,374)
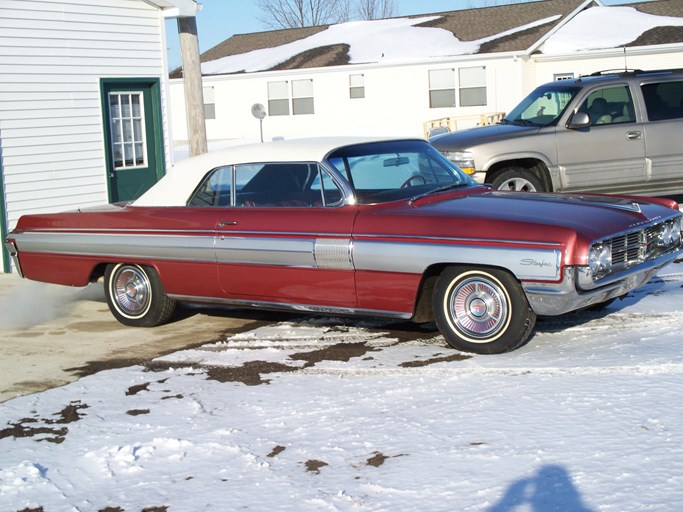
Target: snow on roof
(402,39)
(393,40)
(604,27)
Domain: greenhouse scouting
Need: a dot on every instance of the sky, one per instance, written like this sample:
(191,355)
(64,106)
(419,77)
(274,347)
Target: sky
(218,20)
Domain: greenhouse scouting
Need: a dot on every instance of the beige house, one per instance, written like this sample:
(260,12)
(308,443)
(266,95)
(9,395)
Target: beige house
(390,77)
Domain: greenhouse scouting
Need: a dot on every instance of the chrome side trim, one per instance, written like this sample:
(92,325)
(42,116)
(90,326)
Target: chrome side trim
(14,254)
(177,247)
(457,239)
(305,308)
(414,258)
(285,252)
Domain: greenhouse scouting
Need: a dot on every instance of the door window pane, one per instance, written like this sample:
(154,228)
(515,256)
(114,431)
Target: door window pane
(127,124)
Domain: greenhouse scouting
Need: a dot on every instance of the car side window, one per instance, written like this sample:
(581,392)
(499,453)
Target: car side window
(215,190)
(284,185)
(609,105)
(663,100)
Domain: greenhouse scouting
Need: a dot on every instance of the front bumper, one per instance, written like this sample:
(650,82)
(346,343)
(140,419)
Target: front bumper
(551,299)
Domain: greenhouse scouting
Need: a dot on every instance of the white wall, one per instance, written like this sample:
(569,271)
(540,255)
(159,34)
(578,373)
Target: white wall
(396,100)
(52,55)
(635,58)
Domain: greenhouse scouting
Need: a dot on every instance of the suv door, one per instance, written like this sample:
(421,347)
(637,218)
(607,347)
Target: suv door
(608,154)
(664,108)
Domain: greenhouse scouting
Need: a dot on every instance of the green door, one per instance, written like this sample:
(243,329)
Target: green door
(133,136)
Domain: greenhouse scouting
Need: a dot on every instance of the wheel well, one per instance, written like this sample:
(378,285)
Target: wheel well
(533,165)
(424,311)
(98,272)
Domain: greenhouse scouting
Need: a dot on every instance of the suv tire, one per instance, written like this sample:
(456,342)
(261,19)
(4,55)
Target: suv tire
(518,179)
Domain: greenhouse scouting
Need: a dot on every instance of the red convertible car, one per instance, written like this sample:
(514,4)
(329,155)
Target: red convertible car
(386,228)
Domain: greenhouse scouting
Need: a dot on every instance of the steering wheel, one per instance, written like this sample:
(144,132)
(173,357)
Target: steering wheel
(407,182)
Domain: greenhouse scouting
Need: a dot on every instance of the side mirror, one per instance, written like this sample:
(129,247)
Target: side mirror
(579,120)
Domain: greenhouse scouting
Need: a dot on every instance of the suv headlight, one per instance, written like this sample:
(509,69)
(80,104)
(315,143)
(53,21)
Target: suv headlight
(463,159)
(600,259)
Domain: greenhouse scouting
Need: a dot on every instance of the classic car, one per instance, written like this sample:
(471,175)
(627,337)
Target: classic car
(354,226)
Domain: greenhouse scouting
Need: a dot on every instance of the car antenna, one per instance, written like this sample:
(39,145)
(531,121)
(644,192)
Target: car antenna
(625,61)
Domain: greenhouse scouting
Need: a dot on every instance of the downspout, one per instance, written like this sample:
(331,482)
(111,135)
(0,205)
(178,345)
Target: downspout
(6,268)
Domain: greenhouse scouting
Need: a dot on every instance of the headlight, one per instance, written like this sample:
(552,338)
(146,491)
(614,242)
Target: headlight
(600,259)
(463,159)
(669,234)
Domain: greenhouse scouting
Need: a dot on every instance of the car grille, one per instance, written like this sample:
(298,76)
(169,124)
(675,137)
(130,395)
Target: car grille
(632,248)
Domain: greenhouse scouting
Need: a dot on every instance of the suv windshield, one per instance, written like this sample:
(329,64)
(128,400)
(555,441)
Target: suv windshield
(542,107)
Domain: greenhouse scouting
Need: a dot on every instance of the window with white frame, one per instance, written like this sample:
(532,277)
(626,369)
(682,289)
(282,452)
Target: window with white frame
(128,138)
(302,97)
(441,88)
(209,103)
(356,86)
(472,86)
(278,98)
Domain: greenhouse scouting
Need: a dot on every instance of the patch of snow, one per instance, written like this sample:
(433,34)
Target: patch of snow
(604,27)
(587,417)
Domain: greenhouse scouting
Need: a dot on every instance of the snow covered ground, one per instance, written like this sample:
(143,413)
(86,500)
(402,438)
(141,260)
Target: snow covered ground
(323,414)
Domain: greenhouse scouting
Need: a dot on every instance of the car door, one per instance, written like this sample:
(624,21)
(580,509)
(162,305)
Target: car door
(286,237)
(608,154)
(664,107)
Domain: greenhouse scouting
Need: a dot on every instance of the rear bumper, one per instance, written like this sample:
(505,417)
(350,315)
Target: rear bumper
(14,254)
(551,299)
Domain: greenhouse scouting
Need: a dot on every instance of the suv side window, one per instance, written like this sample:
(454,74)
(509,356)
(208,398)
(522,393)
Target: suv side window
(663,100)
(610,105)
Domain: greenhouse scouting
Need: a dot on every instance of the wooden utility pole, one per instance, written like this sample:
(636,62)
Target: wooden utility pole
(192,81)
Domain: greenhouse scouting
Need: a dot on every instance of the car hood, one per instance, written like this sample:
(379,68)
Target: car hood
(517,217)
(463,139)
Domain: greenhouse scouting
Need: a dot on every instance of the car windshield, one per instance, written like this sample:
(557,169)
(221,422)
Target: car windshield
(388,171)
(543,107)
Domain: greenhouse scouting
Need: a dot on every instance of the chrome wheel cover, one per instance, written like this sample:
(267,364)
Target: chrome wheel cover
(518,185)
(131,291)
(478,308)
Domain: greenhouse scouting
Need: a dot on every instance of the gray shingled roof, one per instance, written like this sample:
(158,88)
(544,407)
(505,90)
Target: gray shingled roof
(466,25)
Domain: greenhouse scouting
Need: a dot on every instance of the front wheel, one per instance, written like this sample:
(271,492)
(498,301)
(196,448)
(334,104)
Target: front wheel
(518,179)
(136,296)
(483,311)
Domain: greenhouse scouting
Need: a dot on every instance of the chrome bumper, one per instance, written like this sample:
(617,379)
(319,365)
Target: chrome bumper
(551,299)
(14,253)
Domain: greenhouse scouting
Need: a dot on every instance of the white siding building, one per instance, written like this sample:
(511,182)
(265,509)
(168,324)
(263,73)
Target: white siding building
(326,80)
(83,102)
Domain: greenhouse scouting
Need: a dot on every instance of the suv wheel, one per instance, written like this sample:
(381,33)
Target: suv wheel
(518,179)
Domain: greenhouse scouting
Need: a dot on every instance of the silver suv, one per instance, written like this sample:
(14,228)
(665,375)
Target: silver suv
(614,132)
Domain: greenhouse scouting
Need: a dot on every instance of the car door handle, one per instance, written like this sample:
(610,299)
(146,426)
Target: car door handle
(224,223)
(633,135)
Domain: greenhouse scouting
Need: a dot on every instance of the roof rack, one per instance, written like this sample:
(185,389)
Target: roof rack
(634,72)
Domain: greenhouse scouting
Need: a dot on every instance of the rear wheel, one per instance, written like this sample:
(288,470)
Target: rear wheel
(136,296)
(518,179)
(483,311)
